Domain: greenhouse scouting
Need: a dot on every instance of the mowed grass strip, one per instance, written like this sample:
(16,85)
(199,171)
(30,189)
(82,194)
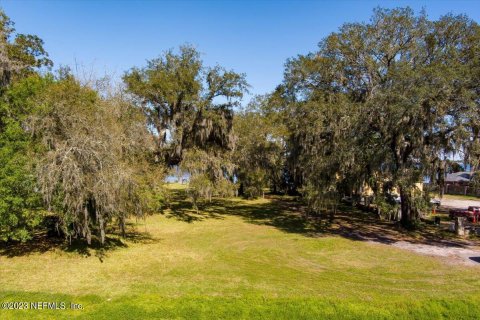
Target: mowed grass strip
(149,306)
(227,264)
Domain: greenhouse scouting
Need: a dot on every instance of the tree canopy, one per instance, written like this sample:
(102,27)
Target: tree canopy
(381,104)
(387,99)
(187,105)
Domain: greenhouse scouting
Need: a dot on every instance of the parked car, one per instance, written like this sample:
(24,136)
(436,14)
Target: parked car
(475,210)
(472,213)
(435,202)
(454,213)
(396,198)
(351,199)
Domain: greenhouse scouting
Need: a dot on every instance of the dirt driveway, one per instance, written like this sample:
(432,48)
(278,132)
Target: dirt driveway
(459,204)
(467,255)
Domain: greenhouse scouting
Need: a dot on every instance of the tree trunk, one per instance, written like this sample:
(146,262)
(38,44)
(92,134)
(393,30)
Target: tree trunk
(102,228)
(86,229)
(441,179)
(122,226)
(333,212)
(408,218)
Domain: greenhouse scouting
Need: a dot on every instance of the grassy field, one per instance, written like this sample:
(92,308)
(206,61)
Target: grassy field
(460,197)
(238,259)
(454,196)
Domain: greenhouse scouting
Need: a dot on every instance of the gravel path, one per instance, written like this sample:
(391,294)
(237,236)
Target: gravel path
(459,204)
(455,255)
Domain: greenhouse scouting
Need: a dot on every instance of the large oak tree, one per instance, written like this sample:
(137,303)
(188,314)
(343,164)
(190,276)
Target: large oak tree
(187,104)
(403,84)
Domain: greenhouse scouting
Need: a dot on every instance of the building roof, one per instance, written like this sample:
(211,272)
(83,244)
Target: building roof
(462,176)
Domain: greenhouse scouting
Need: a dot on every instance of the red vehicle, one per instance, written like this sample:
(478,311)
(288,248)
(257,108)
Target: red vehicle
(472,213)
(474,209)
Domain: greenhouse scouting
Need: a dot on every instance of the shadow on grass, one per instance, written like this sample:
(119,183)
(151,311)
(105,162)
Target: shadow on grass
(284,213)
(182,209)
(42,243)
(288,215)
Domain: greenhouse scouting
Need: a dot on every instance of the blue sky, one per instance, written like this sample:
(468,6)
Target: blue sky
(252,37)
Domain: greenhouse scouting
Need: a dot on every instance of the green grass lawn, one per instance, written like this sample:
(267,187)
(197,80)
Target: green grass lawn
(460,197)
(236,259)
(454,196)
